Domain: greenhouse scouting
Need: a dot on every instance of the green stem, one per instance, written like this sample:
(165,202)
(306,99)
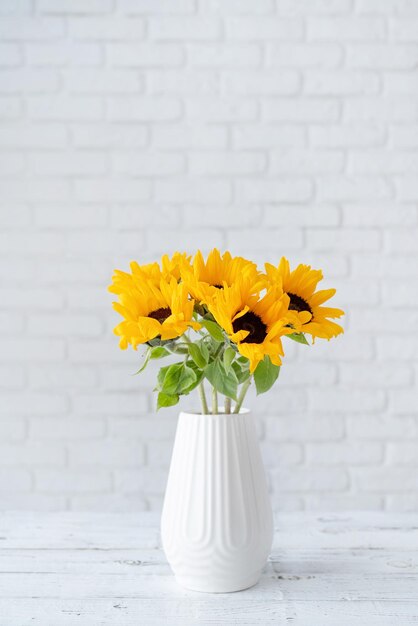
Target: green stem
(227,406)
(242,394)
(218,351)
(214,401)
(203,400)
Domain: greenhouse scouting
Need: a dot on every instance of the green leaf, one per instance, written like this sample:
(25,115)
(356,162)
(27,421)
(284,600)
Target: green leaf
(161,376)
(158,352)
(242,371)
(204,350)
(265,375)
(178,348)
(299,337)
(165,399)
(225,383)
(214,330)
(211,345)
(175,378)
(199,375)
(229,356)
(197,355)
(145,362)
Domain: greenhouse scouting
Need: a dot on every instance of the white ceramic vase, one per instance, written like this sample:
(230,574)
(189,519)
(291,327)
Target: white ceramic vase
(217,522)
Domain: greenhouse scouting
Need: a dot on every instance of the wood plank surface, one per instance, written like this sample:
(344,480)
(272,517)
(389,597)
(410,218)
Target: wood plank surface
(109,569)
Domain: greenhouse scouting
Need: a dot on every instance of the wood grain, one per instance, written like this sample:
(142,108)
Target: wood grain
(109,569)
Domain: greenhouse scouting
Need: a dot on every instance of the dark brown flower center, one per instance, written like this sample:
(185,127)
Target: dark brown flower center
(160,314)
(218,286)
(298,304)
(257,330)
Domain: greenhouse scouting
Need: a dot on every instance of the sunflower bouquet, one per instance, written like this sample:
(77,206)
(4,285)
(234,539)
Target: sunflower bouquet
(222,319)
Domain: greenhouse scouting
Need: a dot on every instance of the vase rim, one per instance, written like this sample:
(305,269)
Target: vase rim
(243,411)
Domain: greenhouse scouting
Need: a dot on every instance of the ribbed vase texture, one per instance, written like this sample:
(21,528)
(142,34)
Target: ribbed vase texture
(217,522)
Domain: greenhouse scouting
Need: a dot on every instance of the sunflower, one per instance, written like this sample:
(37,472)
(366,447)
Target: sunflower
(300,285)
(256,324)
(151,310)
(176,265)
(151,272)
(140,274)
(205,278)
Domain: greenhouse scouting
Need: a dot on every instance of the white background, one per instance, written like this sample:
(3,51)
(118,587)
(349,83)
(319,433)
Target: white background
(130,128)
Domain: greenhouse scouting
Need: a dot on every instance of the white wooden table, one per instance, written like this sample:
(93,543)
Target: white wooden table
(109,569)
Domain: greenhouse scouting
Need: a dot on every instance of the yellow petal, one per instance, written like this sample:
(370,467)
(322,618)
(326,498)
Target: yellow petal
(240,335)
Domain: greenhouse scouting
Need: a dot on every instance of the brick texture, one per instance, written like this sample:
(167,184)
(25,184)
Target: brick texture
(129,128)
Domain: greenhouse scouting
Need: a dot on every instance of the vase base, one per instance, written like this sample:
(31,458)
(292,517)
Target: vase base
(195,583)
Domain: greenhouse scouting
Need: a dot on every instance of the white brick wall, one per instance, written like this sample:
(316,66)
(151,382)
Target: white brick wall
(134,127)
